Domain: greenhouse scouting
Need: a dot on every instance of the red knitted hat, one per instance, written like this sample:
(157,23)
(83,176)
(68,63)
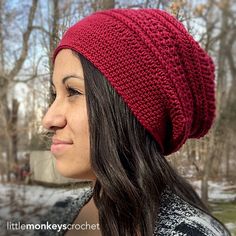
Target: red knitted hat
(159,70)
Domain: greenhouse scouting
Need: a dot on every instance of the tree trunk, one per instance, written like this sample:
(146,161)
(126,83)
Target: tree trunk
(14,130)
(209,154)
(108,4)
(221,76)
(2,60)
(54,32)
(9,116)
(205,178)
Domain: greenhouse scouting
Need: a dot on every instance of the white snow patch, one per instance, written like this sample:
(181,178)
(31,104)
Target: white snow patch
(217,190)
(27,203)
(230,226)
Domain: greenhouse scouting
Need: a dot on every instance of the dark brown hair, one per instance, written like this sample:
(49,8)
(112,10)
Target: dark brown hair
(131,172)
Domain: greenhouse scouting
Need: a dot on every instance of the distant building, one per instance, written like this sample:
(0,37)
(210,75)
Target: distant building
(42,169)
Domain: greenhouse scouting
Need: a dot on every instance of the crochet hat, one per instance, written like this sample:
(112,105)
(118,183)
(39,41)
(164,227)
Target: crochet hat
(160,71)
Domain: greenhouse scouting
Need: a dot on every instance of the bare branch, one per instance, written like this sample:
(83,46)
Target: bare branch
(26,80)
(25,46)
(36,27)
(34,74)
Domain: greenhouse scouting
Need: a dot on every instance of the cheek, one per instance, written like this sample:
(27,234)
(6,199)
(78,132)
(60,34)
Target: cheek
(80,130)
(79,125)
(77,163)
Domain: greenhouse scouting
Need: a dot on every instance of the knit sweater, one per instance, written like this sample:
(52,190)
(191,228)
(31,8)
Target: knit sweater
(176,217)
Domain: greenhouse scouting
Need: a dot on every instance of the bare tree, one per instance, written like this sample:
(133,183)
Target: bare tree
(7,76)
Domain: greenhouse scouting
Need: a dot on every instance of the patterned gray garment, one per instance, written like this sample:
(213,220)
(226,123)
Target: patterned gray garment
(176,217)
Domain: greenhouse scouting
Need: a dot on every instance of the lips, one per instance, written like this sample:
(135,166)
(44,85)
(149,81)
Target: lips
(59,146)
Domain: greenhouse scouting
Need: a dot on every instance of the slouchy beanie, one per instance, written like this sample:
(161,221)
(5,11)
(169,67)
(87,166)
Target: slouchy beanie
(155,65)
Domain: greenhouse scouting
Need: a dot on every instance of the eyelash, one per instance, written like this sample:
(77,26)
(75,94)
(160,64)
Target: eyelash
(71,92)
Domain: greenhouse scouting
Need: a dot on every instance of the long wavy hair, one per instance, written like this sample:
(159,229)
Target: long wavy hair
(130,169)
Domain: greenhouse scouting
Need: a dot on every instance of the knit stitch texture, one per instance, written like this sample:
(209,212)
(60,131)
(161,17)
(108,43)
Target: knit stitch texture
(160,71)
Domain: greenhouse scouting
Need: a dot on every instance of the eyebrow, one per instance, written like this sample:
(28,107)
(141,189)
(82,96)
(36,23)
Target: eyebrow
(71,76)
(66,78)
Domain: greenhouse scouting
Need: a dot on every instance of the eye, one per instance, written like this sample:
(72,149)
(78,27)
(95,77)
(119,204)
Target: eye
(72,92)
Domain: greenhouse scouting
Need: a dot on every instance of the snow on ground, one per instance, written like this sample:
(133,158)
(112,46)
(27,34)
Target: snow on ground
(26,203)
(37,194)
(218,191)
(231,227)
(33,195)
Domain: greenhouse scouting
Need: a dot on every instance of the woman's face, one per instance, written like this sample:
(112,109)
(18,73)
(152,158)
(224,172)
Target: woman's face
(67,117)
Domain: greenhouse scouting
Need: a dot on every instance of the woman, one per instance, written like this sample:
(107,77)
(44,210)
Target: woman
(130,87)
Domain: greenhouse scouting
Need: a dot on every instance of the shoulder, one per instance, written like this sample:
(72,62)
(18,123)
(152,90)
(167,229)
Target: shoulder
(179,218)
(63,212)
(65,209)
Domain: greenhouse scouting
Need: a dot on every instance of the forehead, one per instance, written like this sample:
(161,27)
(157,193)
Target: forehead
(66,63)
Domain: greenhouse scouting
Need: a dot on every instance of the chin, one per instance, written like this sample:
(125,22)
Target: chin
(75,174)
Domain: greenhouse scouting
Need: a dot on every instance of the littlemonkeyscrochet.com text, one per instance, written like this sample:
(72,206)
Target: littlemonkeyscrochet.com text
(49,226)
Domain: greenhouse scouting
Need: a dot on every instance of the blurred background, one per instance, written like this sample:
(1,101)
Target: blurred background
(29,32)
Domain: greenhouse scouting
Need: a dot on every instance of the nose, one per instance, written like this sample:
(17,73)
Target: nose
(54,118)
